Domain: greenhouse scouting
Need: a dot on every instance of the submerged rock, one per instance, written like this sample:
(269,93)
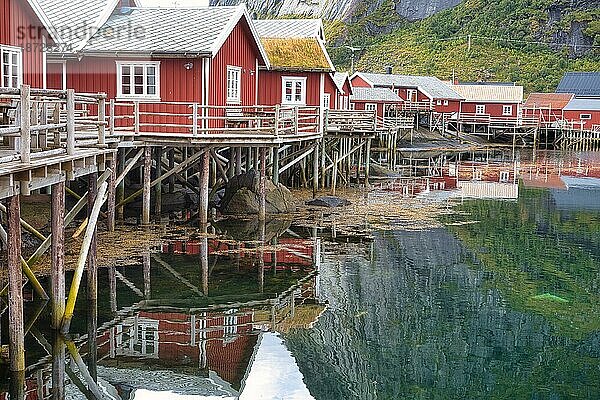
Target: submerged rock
(241,196)
(379,171)
(328,201)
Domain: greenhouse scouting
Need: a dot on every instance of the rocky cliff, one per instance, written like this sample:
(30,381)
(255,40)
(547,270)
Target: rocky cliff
(343,9)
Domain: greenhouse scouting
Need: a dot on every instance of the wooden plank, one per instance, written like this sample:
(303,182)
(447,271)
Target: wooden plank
(25,123)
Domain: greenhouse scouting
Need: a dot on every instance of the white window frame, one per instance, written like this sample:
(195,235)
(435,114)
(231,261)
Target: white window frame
(326,101)
(11,50)
(234,92)
(507,110)
(585,117)
(293,80)
(438,102)
(504,176)
(371,107)
(480,109)
(352,106)
(410,93)
(445,102)
(145,65)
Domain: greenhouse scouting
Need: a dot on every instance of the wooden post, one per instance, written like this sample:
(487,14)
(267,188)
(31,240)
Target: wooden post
(262,184)
(57,276)
(276,166)
(204,189)
(121,186)
(112,288)
(204,264)
(146,272)
(15,281)
(92,280)
(171,166)
(336,157)
(102,121)
(111,202)
(367,162)
(58,367)
(158,187)
(70,121)
(146,185)
(238,160)
(25,124)
(315,170)
(111,117)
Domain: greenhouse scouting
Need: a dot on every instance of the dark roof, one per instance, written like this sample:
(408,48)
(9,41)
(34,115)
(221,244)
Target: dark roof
(582,84)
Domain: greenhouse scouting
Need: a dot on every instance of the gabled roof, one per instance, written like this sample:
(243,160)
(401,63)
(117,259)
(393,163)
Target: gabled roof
(578,104)
(290,28)
(39,12)
(340,78)
(490,93)
(374,94)
(582,84)
(74,21)
(170,31)
(548,100)
(297,54)
(428,85)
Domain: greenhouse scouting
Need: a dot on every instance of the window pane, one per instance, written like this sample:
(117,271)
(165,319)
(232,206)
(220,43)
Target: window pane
(151,89)
(126,89)
(151,71)
(126,70)
(139,89)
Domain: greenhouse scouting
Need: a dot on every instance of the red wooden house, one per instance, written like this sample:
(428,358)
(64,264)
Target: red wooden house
(490,104)
(382,100)
(23,43)
(547,108)
(583,113)
(211,61)
(419,93)
(300,65)
(340,94)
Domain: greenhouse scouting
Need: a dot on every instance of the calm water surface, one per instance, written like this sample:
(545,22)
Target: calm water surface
(502,302)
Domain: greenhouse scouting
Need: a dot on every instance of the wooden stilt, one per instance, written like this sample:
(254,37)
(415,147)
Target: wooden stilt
(275,166)
(121,186)
(204,264)
(336,157)
(146,271)
(238,161)
(112,288)
(92,282)
(158,187)
(171,166)
(262,210)
(57,276)
(146,185)
(15,281)
(367,162)
(58,367)
(315,160)
(204,189)
(112,198)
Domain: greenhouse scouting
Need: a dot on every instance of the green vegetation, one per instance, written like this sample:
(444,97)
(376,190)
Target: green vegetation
(503,35)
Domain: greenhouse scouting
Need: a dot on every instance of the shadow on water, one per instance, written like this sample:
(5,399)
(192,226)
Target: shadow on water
(198,318)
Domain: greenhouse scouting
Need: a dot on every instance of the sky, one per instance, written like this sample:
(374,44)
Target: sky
(171,3)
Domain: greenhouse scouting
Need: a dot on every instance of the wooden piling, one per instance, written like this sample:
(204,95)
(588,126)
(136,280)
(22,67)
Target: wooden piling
(15,281)
(121,186)
(58,367)
(336,157)
(146,185)
(262,210)
(111,201)
(25,123)
(92,281)
(57,275)
(204,189)
(146,272)
(315,177)
(158,187)
(367,162)
(275,166)
(112,288)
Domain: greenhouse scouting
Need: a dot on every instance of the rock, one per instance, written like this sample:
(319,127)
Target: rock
(241,196)
(250,229)
(379,171)
(328,201)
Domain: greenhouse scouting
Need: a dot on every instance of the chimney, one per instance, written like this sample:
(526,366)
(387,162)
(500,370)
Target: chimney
(389,70)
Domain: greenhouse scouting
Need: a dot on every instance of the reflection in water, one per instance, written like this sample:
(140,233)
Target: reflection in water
(501,303)
(180,327)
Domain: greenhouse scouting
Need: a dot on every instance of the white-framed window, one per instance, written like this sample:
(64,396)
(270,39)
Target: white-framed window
(139,80)
(234,84)
(326,101)
(293,90)
(11,72)
(507,110)
(445,102)
(480,109)
(438,103)
(411,95)
(371,107)
(585,116)
(504,176)
(352,106)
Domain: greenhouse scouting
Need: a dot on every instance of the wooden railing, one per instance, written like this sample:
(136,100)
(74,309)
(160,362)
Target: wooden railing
(395,123)
(35,122)
(417,106)
(498,122)
(194,119)
(350,121)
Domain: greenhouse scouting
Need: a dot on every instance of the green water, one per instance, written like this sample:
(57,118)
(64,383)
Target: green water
(506,306)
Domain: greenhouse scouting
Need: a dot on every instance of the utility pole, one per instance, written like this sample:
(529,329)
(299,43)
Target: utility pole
(353,56)
(469,43)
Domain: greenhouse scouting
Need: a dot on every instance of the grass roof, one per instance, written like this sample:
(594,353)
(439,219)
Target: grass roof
(296,54)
